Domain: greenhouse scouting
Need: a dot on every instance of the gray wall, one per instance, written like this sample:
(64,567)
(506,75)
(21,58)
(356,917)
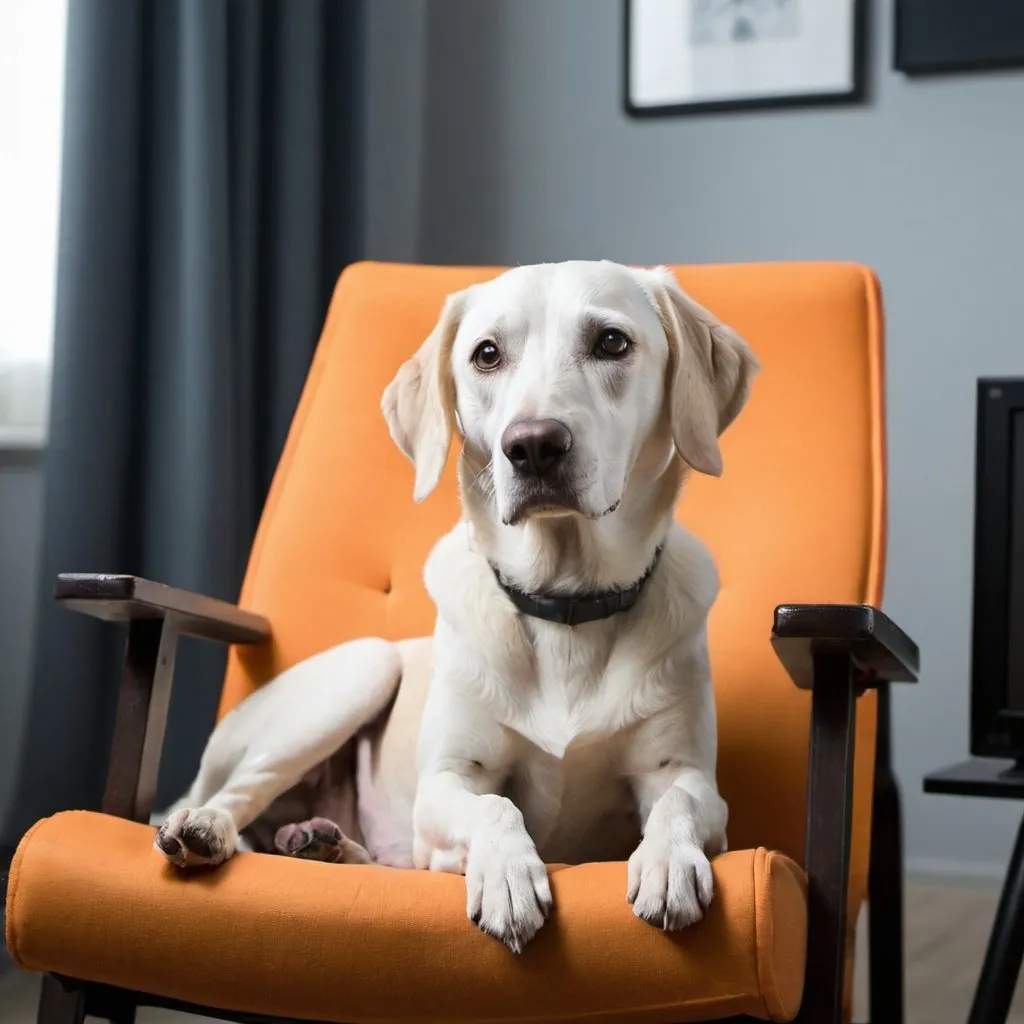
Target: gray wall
(20,508)
(528,156)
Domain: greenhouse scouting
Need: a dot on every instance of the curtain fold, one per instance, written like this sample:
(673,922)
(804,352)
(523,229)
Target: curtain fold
(211,195)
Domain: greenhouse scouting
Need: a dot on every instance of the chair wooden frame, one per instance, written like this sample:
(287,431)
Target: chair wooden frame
(837,652)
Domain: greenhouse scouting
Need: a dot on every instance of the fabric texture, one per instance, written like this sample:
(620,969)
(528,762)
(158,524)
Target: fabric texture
(322,942)
(210,199)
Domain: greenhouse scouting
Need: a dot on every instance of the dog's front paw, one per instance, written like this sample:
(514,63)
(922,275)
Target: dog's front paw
(508,895)
(670,884)
(193,838)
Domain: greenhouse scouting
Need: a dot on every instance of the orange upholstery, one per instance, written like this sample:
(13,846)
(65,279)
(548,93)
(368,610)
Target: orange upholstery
(797,516)
(302,939)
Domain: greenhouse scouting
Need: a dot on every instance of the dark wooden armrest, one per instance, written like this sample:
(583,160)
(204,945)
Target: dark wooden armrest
(836,651)
(879,649)
(156,616)
(130,598)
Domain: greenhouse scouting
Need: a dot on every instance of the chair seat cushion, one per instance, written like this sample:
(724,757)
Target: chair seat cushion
(89,898)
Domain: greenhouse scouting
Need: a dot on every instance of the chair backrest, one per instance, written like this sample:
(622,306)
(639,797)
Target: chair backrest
(797,516)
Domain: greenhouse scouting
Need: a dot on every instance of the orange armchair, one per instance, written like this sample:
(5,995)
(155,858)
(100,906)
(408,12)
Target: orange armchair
(804,751)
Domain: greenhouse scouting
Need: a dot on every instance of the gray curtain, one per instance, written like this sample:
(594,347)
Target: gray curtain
(211,196)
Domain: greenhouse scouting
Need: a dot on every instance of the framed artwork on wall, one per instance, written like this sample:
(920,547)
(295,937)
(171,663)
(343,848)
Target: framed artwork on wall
(958,35)
(693,56)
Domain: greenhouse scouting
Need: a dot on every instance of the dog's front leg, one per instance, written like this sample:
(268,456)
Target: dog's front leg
(462,825)
(684,819)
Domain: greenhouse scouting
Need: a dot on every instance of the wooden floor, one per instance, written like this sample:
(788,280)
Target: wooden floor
(946,936)
(947,929)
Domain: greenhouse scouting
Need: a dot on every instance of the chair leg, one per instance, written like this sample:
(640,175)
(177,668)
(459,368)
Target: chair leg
(829,806)
(122,1013)
(63,1002)
(885,881)
(58,1005)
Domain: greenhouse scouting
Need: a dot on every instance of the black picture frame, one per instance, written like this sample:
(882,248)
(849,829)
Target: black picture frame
(855,94)
(997,701)
(935,36)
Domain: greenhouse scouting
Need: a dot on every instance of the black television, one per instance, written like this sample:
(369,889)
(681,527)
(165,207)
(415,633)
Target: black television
(997,640)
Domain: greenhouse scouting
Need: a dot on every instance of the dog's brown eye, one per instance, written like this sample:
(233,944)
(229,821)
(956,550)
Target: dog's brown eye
(486,356)
(611,344)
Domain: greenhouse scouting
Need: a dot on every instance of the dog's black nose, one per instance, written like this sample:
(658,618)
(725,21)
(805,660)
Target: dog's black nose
(536,447)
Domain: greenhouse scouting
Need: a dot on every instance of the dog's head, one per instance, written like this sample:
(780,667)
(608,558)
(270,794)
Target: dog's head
(558,375)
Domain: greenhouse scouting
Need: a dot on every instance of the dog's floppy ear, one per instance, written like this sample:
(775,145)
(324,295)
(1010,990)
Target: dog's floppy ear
(710,370)
(419,404)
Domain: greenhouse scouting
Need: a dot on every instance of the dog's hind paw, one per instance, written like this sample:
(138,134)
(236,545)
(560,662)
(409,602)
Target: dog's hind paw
(194,838)
(319,839)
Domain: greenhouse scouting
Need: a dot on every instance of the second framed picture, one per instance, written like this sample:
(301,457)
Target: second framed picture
(692,56)
(933,36)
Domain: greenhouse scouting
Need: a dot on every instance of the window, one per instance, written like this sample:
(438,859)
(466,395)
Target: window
(32,39)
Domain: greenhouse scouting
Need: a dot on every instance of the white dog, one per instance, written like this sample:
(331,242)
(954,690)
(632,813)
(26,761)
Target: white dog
(563,711)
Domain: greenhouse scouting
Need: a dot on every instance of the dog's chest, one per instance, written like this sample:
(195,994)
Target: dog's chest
(579,806)
(571,775)
(582,687)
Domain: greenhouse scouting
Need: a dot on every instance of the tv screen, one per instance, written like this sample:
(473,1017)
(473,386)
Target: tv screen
(1015,604)
(997,643)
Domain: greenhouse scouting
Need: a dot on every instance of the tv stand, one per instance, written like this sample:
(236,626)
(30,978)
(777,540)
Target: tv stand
(1001,779)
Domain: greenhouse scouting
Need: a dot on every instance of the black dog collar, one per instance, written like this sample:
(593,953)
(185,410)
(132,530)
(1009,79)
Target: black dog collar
(575,610)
